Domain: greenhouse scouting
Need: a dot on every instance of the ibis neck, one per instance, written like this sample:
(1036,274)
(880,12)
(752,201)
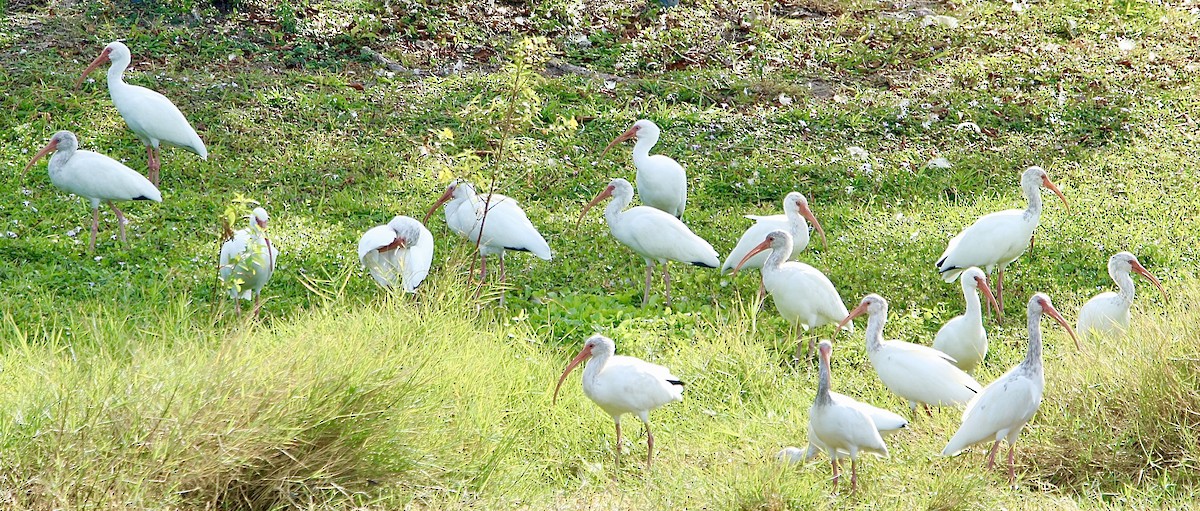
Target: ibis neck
(779,254)
(1033,357)
(875,331)
(1124,285)
(60,157)
(1033,194)
(641,150)
(595,365)
(823,398)
(116,73)
(612,212)
(974,311)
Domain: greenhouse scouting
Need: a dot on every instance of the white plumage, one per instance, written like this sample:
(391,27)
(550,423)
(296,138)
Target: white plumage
(620,385)
(795,218)
(661,181)
(1001,411)
(398,252)
(150,115)
(885,421)
(840,430)
(94,177)
(248,260)
(998,239)
(802,294)
(916,373)
(652,234)
(963,337)
(494,223)
(1107,314)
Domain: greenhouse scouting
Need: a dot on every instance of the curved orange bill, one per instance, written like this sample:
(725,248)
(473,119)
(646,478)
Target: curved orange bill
(991,298)
(100,59)
(858,311)
(49,148)
(604,194)
(765,245)
(812,219)
(1046,182)
(1141,270)
(441,200)
(1052,312)
(583,354)
(630,133)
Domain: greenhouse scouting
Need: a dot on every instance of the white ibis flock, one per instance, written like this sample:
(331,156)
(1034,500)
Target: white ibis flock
(399,255)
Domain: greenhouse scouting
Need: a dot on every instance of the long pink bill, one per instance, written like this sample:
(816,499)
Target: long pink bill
(583,355)
(97,62)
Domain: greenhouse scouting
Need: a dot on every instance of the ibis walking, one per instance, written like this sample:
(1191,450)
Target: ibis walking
(619,385)
(916,373)
(998,239)
(150,115)
(94,177)
(802,294)
(652,234)
(1006,405)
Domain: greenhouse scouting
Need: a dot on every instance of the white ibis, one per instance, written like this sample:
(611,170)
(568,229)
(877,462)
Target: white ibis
(916,373)
(841,430)
(885,421)
(621,385)
(1007,404)
(247,261)
(1107,314)
(963,337)
(661,182)
(652,234)
(94,177)
(504,226)
(998,239)
(802,294)
(795,219)
(150,115)
(397,252)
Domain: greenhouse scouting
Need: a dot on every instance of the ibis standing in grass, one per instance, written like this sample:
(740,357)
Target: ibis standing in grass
(1107,314)
(963,337)
(398,252)
(1001,411)
(885,421)
(916,373)
(802,294)
(494,223)
(841,430)
(621,385)
(795,219)
(661,181)
(247,261)
(150,115)
(94,177)
(998,239)
(652,234)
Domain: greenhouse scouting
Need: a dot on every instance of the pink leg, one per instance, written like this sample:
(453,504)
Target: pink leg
(95,228)
(152,163)
(503,279)
(121,221)
(618,444)
(1012,471)
(853,474)
(836,473)
(992,455)
(667,282)
(649,278)
(649,445)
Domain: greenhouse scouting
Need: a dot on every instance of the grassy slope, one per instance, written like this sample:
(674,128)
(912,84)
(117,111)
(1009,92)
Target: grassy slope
(1047,86)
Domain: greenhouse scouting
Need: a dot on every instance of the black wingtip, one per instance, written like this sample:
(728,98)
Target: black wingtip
(676,382)
(702,264)
(142,197)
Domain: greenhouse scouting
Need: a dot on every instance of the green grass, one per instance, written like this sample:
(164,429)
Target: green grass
(127,381)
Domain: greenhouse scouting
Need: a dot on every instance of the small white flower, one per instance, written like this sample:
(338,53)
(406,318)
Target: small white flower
(858,152)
